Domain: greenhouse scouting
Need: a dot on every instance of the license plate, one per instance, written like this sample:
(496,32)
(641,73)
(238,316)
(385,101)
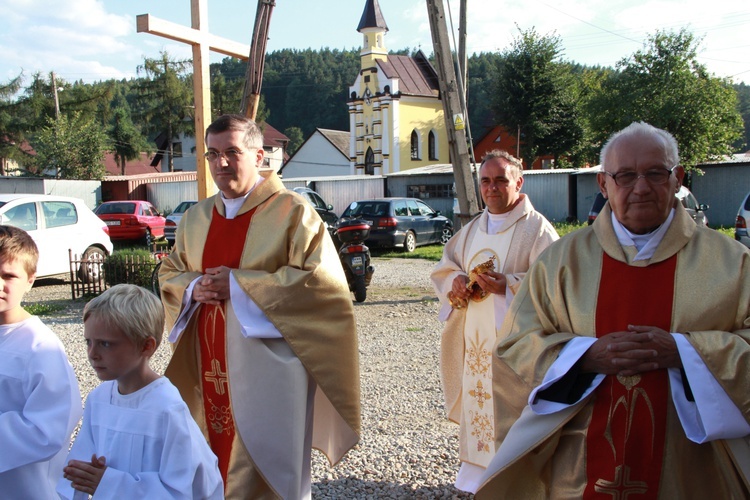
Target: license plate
(356,261)
(112,222)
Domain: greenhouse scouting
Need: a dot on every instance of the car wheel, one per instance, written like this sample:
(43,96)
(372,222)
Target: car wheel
(92,265)
(410,242)
(360,290)
(446,235)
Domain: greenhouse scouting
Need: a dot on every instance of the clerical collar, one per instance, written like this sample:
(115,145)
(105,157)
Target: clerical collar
(495,222)
(645,243)
(233,205)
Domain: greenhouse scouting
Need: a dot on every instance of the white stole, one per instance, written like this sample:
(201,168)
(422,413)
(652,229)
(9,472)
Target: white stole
(477,430)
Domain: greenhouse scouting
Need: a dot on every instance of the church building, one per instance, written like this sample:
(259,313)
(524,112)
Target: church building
(395,113)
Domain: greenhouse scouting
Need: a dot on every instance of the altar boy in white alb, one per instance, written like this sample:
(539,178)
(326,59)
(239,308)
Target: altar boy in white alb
(39,400)
(137,439)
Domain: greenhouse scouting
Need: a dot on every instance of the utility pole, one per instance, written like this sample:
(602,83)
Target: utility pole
(54,91)
(462,59)
(256,61)
(453,111)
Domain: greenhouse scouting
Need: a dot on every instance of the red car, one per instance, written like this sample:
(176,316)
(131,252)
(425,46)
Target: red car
(132,220)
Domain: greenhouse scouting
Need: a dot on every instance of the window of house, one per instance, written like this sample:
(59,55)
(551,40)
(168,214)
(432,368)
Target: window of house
(427,191)
(432,145)
(415,145)
(177,149)
(369,162)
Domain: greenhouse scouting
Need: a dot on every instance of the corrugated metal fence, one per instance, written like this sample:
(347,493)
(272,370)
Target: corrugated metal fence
(560,195)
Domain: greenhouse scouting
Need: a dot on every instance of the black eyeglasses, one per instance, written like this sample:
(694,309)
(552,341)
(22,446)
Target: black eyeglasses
(230,154)
(653,176)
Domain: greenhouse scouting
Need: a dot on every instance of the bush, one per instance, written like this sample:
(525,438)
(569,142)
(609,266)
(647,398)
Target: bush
(131,265)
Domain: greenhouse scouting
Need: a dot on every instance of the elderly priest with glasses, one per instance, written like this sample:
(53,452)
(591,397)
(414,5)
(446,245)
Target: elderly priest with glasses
(266,347)
(623,372)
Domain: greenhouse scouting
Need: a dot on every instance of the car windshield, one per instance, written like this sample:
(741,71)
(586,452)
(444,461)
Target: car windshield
(367,208)
(116,208)
(182,207)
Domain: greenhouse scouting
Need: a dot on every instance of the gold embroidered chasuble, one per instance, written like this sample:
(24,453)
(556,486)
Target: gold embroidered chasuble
(711,306)
(291,270)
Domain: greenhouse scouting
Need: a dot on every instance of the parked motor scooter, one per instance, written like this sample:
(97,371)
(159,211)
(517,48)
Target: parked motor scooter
(355,255)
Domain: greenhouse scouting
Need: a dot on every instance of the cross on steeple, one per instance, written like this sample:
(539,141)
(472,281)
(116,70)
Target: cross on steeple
(202,42)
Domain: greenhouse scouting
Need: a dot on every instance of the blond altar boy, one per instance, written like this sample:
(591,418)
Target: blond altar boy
(137,438)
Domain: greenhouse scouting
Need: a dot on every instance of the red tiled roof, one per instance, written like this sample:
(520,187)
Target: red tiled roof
(416,75)
(135,167)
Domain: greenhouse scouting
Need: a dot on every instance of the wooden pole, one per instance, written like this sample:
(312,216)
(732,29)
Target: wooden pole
(256,60)
(202,42)
(202,93)
(452,109)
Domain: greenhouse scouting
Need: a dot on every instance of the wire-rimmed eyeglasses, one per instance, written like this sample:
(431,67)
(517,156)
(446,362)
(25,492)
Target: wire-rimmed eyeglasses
(652,176)
(230,154)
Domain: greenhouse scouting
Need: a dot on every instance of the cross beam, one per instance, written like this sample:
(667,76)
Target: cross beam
(202,42)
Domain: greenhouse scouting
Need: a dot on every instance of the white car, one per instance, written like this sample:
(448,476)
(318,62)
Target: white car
(696,210)
(743,219)
(173,220)
(59,224)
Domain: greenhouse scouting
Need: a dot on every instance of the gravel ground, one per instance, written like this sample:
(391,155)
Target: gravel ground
(408,448)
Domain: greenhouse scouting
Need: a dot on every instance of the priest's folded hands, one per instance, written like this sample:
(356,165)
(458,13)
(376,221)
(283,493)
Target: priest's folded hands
(640,349)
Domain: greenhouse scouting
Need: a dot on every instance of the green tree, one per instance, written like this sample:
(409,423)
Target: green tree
(535,94)
(480,87)
(127,141)
(666,86)
(166,107)
(743,95)
(71,148)
(295,139)
(10,135)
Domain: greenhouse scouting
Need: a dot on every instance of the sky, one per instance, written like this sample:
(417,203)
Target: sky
(94,40)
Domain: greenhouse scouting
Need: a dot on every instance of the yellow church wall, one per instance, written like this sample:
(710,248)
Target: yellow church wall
(422,114)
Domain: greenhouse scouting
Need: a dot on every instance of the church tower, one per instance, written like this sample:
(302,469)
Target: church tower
(373,28)
(395,113)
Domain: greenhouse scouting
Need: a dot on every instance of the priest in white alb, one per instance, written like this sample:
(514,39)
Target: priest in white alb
(492,252)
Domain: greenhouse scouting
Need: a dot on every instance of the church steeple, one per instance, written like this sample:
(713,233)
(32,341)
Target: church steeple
(372,26)
(372,17)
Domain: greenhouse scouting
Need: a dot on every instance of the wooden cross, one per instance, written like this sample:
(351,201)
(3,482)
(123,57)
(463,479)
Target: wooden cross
(202,41)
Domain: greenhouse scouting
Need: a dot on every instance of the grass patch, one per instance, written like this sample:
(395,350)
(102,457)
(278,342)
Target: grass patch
(564,228)
(429,252)
(728,231)
(42,309)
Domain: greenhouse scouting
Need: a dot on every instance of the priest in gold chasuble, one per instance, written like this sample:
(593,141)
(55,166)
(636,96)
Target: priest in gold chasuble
(265,346)
(626,352)
(493,251)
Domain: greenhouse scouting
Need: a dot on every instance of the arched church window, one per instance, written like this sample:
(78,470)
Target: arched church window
(432,147)
(415,145)
(369,162)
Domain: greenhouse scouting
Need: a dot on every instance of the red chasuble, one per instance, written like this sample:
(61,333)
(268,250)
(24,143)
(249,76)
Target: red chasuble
(625,439)
(224,245)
